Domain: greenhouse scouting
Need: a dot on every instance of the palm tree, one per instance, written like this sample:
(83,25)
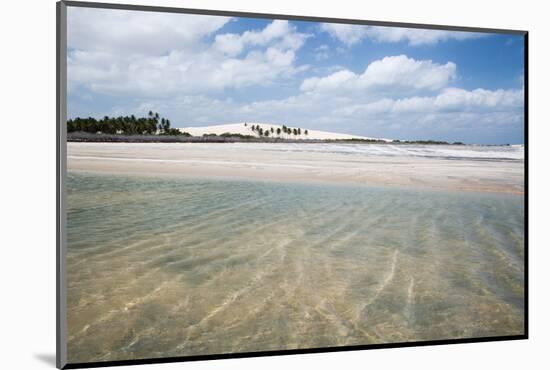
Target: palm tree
(272,130)
(306,132)
(278,131)
(299,131)
(295,132)
(266,133)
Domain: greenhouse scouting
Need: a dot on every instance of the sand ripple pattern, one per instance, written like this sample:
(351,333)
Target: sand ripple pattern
(174,267)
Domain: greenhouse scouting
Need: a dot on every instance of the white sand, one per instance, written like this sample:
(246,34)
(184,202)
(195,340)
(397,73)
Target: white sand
(292,162)
(240,128)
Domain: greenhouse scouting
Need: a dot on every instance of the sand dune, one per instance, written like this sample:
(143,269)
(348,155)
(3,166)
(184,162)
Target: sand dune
(240,128)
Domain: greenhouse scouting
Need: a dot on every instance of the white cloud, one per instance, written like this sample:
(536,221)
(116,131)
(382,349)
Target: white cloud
(453,99)
(155,54)
(279,32)
(321,52)
(352,34)
(394,72)
(137,32)
(334,81)
(349,34)
(175,74)
(448,100)
(416,36)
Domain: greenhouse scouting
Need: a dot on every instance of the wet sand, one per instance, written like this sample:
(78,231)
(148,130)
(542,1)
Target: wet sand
(272,162)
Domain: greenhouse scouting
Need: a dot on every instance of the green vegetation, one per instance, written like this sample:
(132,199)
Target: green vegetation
(427,142)
(153,124)
(357,140)
(278,131)
(240,136)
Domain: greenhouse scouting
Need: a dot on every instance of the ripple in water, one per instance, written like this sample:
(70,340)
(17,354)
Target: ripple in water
(169,267)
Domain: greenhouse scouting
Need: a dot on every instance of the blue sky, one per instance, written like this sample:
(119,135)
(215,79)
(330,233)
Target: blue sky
(373,81)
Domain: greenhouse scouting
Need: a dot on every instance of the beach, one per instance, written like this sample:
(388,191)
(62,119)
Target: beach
(195,249)
(233,185)
(445,167)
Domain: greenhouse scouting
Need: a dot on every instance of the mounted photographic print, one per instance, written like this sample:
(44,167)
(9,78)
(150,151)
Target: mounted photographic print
(235,184)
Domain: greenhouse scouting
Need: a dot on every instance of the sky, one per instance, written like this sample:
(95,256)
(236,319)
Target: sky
(388,82)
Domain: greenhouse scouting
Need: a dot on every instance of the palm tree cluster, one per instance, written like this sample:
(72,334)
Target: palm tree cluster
(153,124)
(271,131)
(259,130)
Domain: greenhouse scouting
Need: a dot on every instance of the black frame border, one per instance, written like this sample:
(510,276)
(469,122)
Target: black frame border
(61,117)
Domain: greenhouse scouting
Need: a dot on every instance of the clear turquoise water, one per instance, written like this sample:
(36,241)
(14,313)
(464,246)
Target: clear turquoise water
(172,267)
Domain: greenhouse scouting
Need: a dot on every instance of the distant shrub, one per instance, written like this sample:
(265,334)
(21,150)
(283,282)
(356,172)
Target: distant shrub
(240,136)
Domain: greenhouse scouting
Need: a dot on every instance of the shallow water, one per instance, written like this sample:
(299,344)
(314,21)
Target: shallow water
(175,267)
(468,152)
(443,151)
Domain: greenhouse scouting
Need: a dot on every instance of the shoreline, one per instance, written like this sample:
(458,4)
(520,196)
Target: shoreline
(85,137)
(410,188)
(255,162)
